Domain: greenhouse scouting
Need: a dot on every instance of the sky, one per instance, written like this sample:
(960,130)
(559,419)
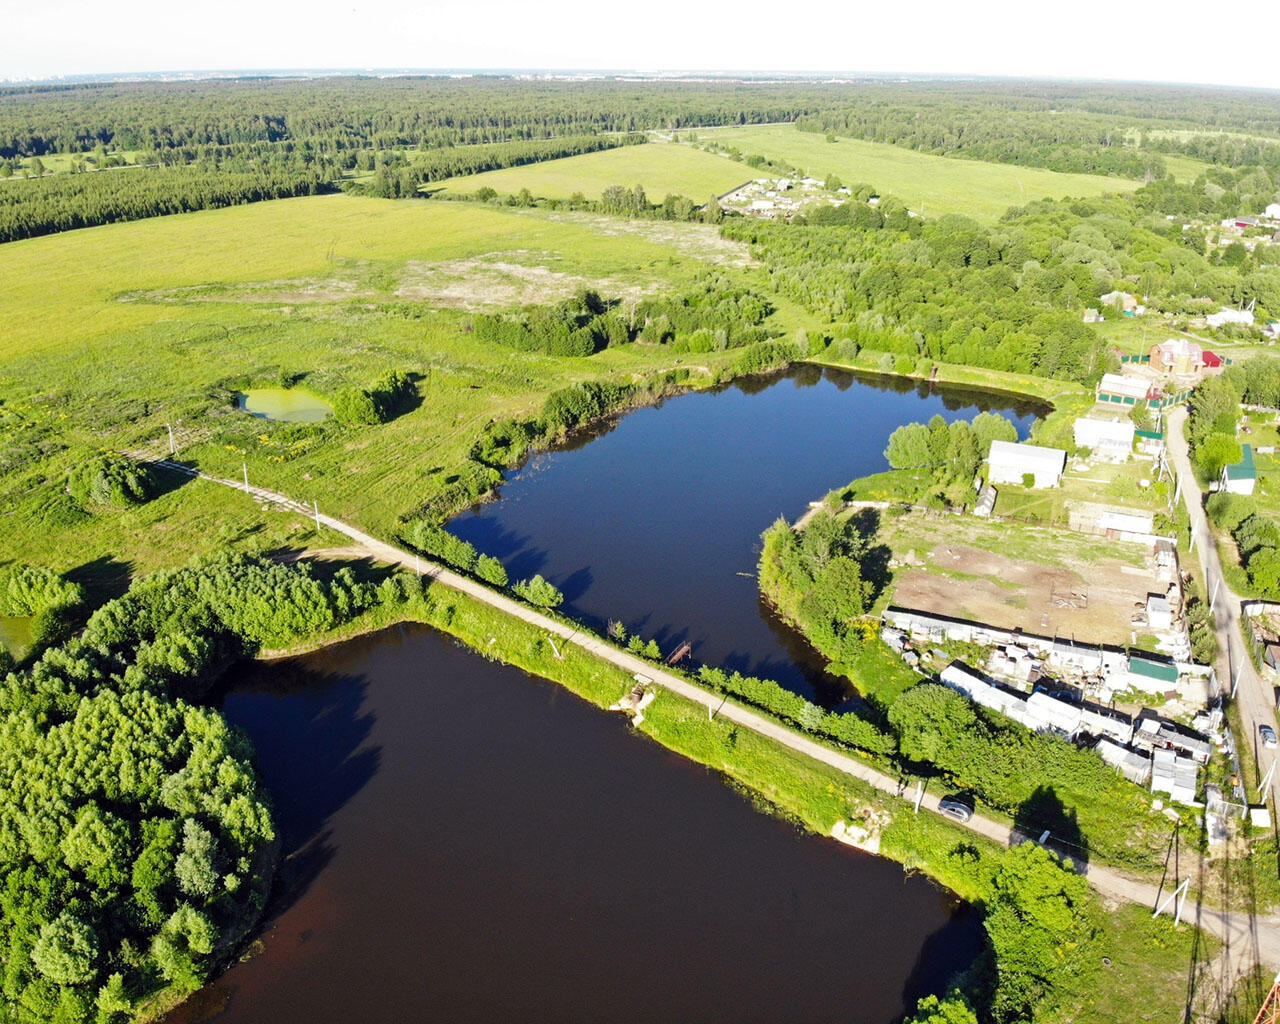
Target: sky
(1141,40)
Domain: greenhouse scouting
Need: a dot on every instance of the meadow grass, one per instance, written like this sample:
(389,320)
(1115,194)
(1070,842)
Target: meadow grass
(113,332)
(65,288)
(928,184)
(661,168)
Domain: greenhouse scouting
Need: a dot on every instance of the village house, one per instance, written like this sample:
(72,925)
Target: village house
(1182,358)
(1224,316)
(1123,301)
(1010,463)
(1241,478)
(1108,436)
(1115,387)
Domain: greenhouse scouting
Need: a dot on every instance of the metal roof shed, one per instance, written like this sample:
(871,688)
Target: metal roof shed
(1010,462)
(1243,476)
(1134,766)
(1160,671)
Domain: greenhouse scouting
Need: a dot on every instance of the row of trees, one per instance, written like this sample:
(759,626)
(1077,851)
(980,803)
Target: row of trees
(66,201)
(438,164)
(136,844)
(952,451)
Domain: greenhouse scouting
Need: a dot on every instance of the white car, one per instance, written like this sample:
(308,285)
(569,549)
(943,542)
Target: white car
(1268,735)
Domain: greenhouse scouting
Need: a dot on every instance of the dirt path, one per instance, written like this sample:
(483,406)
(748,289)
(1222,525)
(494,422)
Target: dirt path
(1237,931)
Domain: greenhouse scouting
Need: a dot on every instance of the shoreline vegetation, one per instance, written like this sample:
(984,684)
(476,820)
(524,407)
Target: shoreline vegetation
(815,798)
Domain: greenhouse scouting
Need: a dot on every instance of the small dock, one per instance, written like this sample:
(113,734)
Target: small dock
(680,653)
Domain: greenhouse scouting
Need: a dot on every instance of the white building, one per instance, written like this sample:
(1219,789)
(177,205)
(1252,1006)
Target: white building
(1159,613)
(1272,211)
(1115,387)
(1110,439)
(1230,316)
(1010,462)
(1132,764)
(1175,775)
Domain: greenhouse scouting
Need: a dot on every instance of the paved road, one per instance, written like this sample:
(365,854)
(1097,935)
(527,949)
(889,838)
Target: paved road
(1260,937)
(1253,697)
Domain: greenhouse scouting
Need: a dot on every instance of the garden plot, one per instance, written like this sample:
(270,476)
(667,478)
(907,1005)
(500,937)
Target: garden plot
(1041,581)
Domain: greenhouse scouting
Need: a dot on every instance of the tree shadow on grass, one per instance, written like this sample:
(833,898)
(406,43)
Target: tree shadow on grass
(103,579)
(1044,811)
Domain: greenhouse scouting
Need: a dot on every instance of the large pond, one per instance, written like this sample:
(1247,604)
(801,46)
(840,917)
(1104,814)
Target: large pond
(463,842)
(655,520)
(290,405)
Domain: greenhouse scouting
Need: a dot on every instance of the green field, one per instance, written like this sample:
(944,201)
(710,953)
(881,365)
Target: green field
(62,289)
(928,184)
(113,332)
(661,167)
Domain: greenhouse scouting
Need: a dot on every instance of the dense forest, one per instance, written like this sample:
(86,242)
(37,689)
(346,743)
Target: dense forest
(66,201)
(243,140)
(1097,129)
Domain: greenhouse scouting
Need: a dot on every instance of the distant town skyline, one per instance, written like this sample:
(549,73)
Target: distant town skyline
(997,38)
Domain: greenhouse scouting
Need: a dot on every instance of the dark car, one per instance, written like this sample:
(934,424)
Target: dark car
(957,808)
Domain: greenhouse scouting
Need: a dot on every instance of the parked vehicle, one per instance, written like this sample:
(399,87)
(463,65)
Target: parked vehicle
(956,807)
(1268,735)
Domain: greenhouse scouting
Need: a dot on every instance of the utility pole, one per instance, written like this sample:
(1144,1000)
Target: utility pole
(172,449)
(245,466)
(1180,894)
(919,794)
(1214,599)
(1266,780)
(316,509)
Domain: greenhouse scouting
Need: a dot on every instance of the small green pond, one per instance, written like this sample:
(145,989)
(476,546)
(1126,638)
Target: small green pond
(289,405)
(15,634)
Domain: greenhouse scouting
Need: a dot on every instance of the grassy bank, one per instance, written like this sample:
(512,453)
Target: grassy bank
(121,331)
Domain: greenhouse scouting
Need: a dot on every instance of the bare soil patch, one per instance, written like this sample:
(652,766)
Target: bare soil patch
(1090,599)
(700,241)
(495,280)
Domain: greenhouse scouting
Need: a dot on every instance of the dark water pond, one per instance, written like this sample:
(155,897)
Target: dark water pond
(466,843)
(655,520)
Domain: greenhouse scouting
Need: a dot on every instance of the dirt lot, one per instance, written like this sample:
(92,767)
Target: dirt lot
(495,280)
(1075,586)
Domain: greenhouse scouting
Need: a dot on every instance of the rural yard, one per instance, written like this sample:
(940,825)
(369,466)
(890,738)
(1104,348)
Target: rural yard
(1042,581)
